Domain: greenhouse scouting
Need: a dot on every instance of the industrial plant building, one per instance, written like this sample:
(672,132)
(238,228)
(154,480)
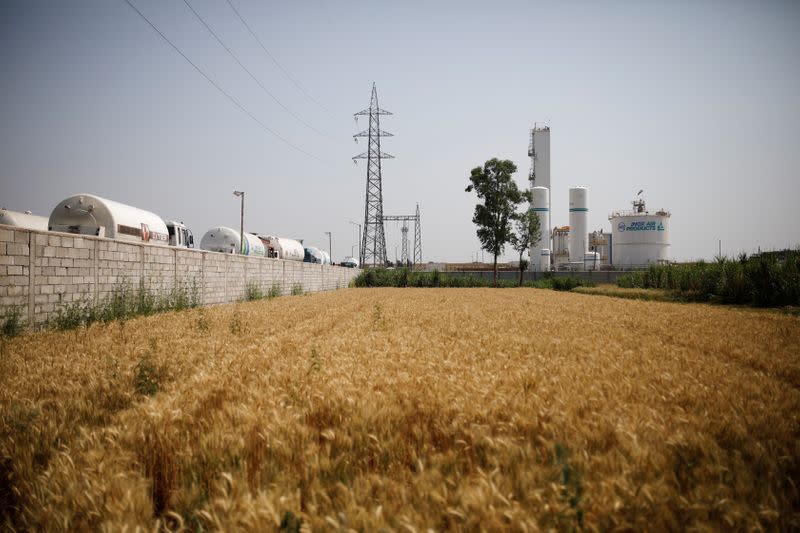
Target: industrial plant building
(637,237)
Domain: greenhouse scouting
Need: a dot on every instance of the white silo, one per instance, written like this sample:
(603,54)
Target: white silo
(578,223)
(639,237)
(540,206)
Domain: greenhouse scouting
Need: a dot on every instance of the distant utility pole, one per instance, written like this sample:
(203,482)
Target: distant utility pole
(359,239)
(240,194)
(330,246)
(373,245)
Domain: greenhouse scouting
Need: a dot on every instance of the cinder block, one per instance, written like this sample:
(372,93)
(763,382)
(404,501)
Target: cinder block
(14,290)
(6,235)
(22,236)
(17,249)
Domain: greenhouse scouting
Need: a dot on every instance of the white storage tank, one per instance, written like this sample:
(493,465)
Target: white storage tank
(540,205)
(591,261)
(544,260)
(282,248)
(578,223)
(326,257)
(23,220)
(87,214)
(226,240)
(639,237)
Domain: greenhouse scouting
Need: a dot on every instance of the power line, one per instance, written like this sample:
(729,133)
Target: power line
(220,89)
(285,72)
(235,58)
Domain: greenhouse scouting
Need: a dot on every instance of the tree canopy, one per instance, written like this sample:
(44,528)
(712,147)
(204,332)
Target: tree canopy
(500,195)
(527,230)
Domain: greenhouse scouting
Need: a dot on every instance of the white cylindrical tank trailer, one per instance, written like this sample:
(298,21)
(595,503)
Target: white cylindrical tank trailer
(540,205)
(282,248)
(578,223)
(23,220)
(226,240)
(313,255)
(639,238)
(87,214)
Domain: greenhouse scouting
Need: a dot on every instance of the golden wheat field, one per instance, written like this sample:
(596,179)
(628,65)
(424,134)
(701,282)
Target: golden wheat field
(407,410)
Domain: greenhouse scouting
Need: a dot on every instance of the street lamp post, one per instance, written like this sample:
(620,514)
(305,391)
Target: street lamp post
(240,194)
(359,239)
(330,247)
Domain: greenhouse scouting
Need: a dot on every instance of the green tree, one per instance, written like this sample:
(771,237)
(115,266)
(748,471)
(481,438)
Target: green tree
(493,183)
(527,230)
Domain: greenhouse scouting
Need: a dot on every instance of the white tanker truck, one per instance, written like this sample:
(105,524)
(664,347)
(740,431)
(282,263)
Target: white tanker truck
(227,240)
(25,220)
(87,214)
(282,248)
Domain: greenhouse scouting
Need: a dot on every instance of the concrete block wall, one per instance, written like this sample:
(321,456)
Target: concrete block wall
(41,272)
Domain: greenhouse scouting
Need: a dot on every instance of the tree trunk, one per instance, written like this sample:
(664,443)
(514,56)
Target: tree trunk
(520,270)
(494,280)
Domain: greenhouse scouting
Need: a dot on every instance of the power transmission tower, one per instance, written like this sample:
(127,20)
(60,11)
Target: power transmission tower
(373,242)
(405,219)
(417,239)
(404,244)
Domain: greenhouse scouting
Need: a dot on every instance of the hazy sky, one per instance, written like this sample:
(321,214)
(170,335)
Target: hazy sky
(697,103)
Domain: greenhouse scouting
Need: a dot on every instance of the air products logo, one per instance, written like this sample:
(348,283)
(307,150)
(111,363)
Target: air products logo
(642,225)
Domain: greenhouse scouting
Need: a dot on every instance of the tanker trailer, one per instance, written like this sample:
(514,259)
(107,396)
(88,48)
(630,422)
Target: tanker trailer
(226,240)
(87,214)
(24,220)
(283,248)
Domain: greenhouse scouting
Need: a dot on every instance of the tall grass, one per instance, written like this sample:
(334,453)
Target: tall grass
(403,277)
(125,302)
(762,281)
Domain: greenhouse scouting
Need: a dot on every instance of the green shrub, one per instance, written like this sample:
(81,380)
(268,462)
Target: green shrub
(124,302)
(274,291)
(403,277)
(297,289)
(74,315)
(13,324)
(253,292)
(762,281)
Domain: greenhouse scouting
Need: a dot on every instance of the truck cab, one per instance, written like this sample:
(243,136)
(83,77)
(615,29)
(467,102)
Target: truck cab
(179,234)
